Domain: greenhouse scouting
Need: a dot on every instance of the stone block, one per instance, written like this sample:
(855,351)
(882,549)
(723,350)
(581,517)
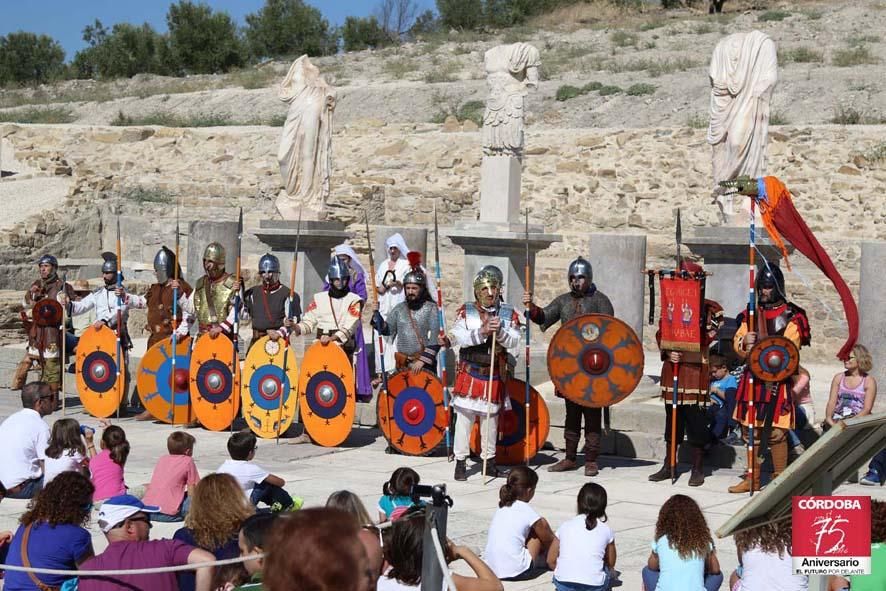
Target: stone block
(871,303)
(500,189)
(618,261)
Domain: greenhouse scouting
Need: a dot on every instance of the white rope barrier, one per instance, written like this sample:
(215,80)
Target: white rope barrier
(441,558)
(134,571)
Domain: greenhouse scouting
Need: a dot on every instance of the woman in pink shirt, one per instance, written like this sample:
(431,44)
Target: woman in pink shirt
(106,469)
(174,476)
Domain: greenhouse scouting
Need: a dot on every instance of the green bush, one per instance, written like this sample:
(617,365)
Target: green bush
(124,52)
(460,14)
(640,89)
(853,56)
(877,153)
(172,120)
(697,121)
(847,115)
(801,55)
(567,91)
(778,118)
(773,16)
(26,58)
(609,90)
(363,33)
(473,111)
(592,86)
(202,41)
(51,115)
(623,39)
(288,28)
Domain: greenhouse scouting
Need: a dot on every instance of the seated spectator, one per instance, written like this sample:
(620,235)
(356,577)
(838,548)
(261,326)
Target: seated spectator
(876,470)
(66,450)
(330,556)
(229,577)
(723,388)
(876,581)
(52,534)
(174,475)
(854,390)
(106,468)
(218,509)
(683,556)
(804,409)
(259,485)
(350,503)
(518,535)
(126,523)
(26,435)
(253,542)
(404,548)
(397,492)
(764,558)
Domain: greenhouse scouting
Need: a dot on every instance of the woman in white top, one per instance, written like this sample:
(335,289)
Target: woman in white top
(66,451)
(517,535)
(582,554)
(403,549)
(764,558)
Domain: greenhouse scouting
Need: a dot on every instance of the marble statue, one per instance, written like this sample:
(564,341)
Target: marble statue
(511,70)
(306,145)
(743,73)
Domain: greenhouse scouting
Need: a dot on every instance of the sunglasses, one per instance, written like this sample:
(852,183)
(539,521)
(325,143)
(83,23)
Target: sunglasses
(143,519)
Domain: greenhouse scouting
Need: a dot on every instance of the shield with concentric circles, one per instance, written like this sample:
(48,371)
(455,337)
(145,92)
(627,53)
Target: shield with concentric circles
(411,415)
(269,392)
(99,380)
(514,445)
(774,359)
(595,360)
(164,381)
(326,394)
(47,312)
(215,382)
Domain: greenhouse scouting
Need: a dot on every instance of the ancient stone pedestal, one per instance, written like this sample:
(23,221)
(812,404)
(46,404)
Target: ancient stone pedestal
(871,304)
(618,261)
(200,234)
(501,245)
(724,250)
(314,250)
(416,239)
(500,189)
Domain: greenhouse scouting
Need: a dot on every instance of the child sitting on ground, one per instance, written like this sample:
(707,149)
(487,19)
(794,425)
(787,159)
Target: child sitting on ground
(66,451)
(764,558)
(723,388)
(174,475)
(259,485)
(582,554)
(253,534)
(106,469)
(396,493)
(518,535)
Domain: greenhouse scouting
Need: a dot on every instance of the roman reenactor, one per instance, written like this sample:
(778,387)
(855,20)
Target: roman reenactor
(582,298)
(267,304)
(158,300)
(211,303)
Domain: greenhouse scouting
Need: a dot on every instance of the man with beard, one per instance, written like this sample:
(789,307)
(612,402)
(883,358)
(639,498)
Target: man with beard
(773,403)
(158,300)
(414,324)
(268,303)
(582,298)
(212,301)
(44,342)
(475,324)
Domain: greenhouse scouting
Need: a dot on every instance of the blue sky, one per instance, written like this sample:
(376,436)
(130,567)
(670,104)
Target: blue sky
(64,19)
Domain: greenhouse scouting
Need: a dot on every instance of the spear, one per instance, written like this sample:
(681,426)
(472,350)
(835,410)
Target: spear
(675,369)
(526,280)
(441,354)
(381,345)
(235,337)
(174,324)
(752,303)
(489,386)
(291,315)
(64,341)
(120,385)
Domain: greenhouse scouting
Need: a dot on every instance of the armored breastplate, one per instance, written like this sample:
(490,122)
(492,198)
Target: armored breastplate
(213,307)
(777,325)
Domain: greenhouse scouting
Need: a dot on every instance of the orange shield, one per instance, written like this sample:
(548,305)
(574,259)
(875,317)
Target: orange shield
(156,381)
(595,360)
(99,378)
(326,394)
(514,445)
(269,392)
(411,414)
(215,382)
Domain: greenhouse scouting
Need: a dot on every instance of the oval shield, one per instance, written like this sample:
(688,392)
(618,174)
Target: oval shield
(156,382)
(326,394)
(774,358)
(514,446)
(99,382)
(411,414)
(268,392)
(47,312)
(215,382)
(595,360)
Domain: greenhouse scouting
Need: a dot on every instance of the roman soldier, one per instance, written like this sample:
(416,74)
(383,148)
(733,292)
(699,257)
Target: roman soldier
(44,339)
(333,315)
(212,301)
(773,403)
(475,325)
(693,395)
(413,324)
(357,285)
(582,298)
(268,303)
(159,297)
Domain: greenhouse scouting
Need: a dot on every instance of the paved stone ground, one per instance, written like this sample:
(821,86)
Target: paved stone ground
(362,466)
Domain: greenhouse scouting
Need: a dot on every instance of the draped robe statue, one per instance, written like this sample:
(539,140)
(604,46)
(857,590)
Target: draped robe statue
(510,71)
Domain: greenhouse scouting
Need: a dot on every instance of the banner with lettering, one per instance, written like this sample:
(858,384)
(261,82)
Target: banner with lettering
(681,313)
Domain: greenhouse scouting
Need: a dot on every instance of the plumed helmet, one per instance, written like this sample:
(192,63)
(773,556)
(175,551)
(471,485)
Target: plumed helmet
(164,265)
(109,264)
(48,259)
(268,263)
(771,276)
(338,269)
(215,252)
(581,266)
(416,274)
(489,276)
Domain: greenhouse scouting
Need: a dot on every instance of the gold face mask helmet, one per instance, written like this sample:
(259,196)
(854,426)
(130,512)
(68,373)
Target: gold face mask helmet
(488,277)
(215,252)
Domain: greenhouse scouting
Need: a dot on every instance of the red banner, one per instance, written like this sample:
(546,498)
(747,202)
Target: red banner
(681,314)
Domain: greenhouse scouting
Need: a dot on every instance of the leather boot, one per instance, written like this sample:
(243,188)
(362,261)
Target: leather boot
(697,476)
(568,463)
(494,471)
(745,485)
(21,373)
(592,450)
(664,473)
(779,450)
(54,400)
(563,465)
(461,470)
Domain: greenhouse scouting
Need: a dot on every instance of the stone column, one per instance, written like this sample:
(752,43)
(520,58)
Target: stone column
(500,189)
(200,234)
(618,262)
(871,304)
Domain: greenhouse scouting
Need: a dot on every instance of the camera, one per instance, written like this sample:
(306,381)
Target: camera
(436,492)
(84,430)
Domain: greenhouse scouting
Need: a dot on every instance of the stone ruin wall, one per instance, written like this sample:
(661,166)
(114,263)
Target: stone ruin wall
(576,182)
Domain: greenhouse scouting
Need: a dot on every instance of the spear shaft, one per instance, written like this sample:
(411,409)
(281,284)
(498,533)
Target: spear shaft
(526,281)
(120,384)
(174,324)
(381,345)
(441,354)
(235,337)
(286,347)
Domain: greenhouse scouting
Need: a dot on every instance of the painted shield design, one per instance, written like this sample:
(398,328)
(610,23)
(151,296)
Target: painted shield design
(215,382)
(47,312)
(326,394)
(595,360)
(411,414)
(269,393)
(157,379)
(512,445)
(99,383)
(773,359)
